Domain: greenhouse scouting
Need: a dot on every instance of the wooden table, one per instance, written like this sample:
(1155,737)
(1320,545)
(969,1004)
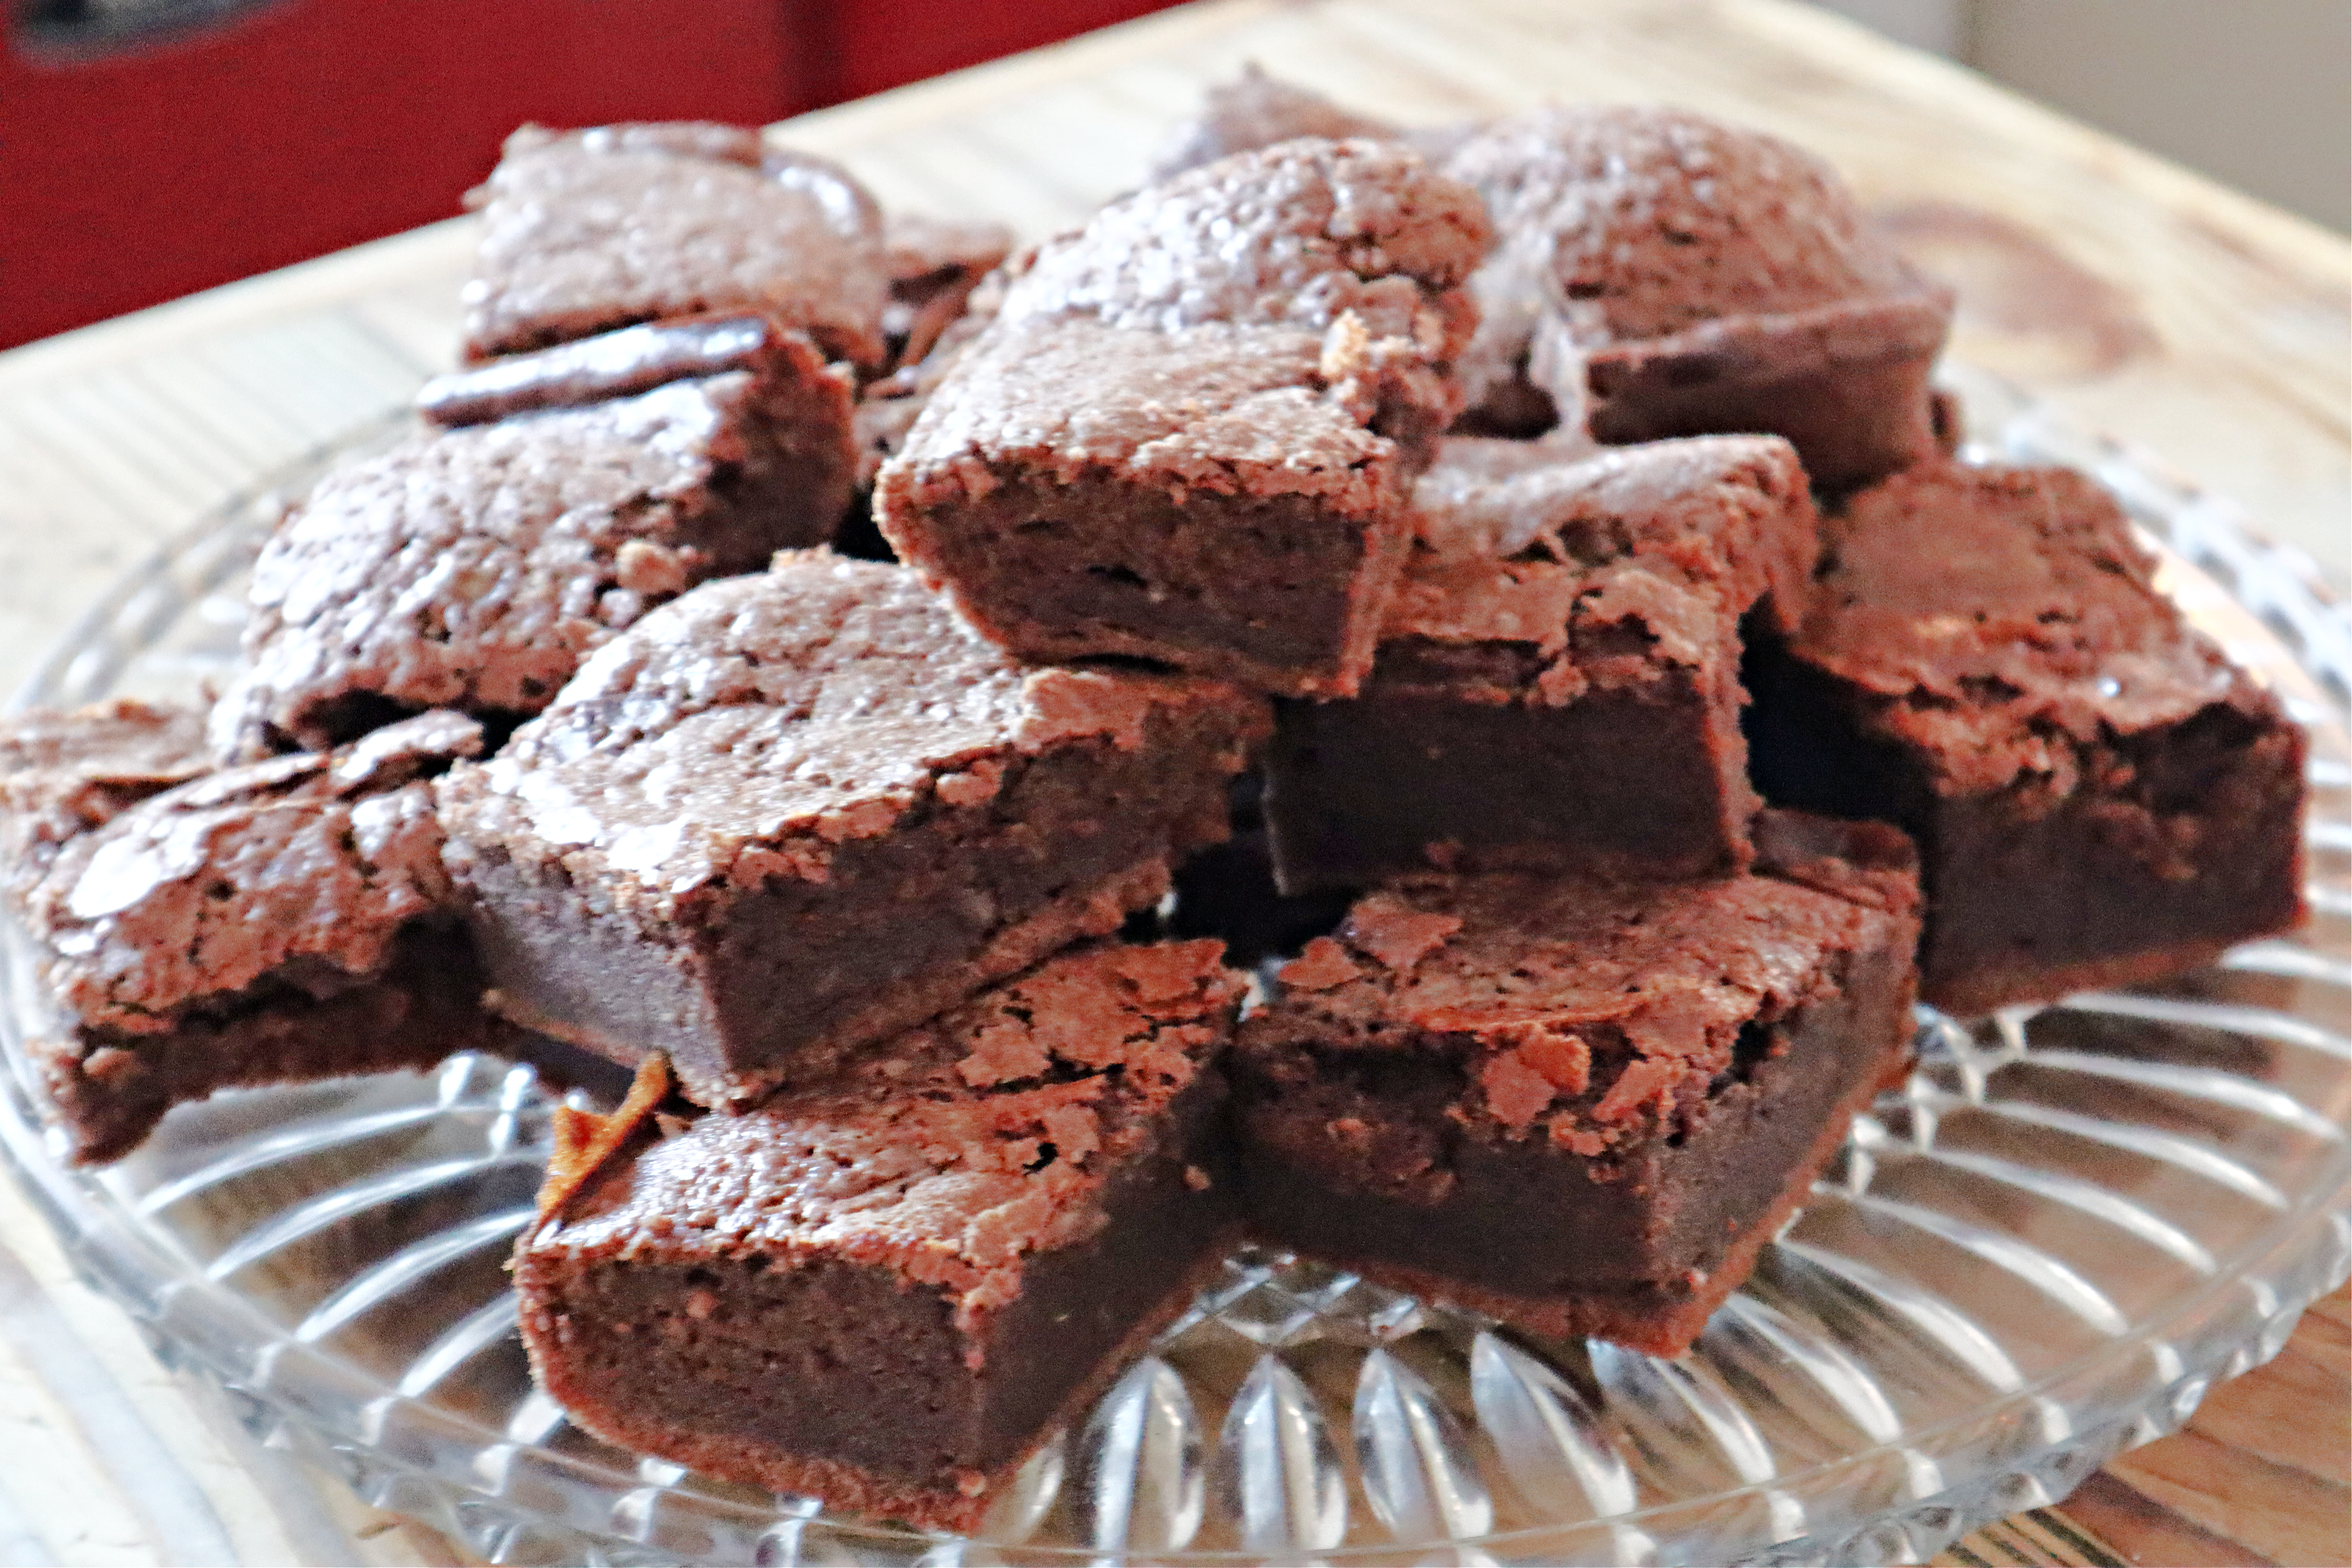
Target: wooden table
(2183,317)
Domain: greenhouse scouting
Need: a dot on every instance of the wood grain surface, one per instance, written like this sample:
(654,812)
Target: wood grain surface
(2187,320)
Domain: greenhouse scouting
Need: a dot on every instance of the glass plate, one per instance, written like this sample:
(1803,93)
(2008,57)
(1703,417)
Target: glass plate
(2043,1248)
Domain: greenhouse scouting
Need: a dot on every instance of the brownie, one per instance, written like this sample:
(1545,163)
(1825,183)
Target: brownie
(1579,1104)
(882,1290)
(1189,433)
(65,772)
(888,406)
(473,568)
(280,921)
(2099,797)
(1558,682)
(590,230)
(934,264)
(792,813)
(1661,274)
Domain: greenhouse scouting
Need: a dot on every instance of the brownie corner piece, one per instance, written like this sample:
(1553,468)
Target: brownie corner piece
(277,922)
(2100,798)
(886,1289)
(1189,431)
(1581,1104)
(793,812)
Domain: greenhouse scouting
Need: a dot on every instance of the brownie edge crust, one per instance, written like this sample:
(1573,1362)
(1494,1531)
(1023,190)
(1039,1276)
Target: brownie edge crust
(884,1291)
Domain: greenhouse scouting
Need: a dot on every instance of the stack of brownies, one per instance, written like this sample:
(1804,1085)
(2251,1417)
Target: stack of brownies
(1425,554)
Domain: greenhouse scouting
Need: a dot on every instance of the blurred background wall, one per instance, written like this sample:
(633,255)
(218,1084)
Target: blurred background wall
(2257,93)
(149,148)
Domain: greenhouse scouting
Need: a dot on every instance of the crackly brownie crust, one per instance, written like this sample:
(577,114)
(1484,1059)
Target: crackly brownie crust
(587,231)
(1188,431)
(795,812)
(1661,274)
(2099,796)
(884,1289)
(284,920)
(1558,681)
(473,568)
(1576,1103)
(65,772)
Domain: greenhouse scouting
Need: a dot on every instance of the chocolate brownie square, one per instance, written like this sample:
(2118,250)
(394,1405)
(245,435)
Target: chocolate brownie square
(1661,273)
(474,568)
(883,1290)
(1580,1104)
(589,230)
(793,813)
(273,923)
(2100,798)
(1558,682)
(1189,432)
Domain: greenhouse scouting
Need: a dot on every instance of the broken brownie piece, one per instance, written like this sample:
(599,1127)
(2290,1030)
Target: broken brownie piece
(1558,682)
(1579,1104)
(793,813)
(474,568)
(1661,273)
(1189,432)
(884,1289)
(273,923)
(590,230)
(2099,796)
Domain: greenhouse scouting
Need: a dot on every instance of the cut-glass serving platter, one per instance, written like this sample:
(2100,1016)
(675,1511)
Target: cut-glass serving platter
(2043,1248)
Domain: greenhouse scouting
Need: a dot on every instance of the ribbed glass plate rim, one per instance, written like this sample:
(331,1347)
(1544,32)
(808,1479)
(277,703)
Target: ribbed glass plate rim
(286,1390)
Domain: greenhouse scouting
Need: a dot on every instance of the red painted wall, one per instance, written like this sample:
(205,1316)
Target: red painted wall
(870,45)
(133,177)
